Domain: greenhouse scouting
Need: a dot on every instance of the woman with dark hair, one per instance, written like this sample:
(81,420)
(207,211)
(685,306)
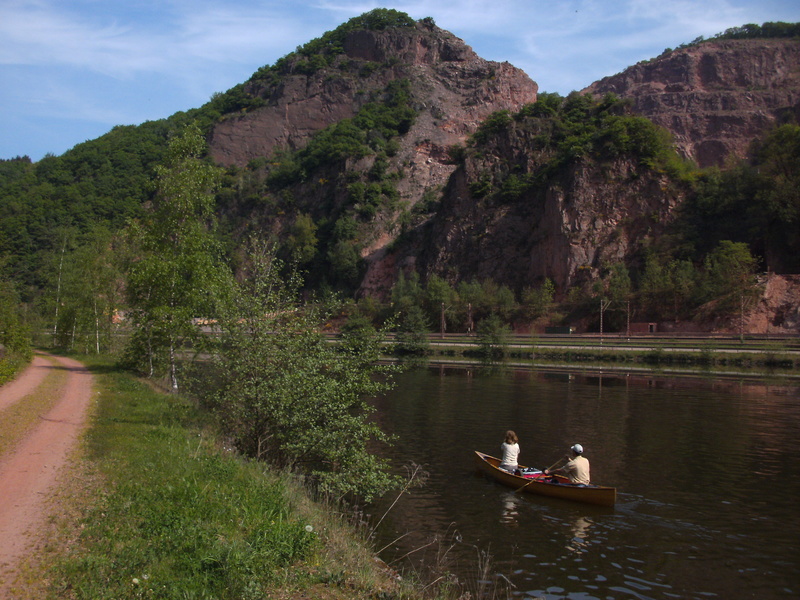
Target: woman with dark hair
(510,448)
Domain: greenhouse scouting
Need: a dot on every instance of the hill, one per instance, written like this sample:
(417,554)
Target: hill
(714,97)
(388,149)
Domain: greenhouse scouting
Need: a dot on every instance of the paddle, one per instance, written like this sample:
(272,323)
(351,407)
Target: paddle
(558,462)
(526,485)
(534,478)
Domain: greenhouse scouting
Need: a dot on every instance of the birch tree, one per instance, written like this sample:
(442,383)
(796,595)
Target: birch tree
(179,276)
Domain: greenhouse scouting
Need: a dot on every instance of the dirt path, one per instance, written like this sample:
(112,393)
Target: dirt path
(28,472)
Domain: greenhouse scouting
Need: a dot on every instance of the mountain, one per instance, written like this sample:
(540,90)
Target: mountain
(544,195)
(453,91)
(715,97)
(388,147)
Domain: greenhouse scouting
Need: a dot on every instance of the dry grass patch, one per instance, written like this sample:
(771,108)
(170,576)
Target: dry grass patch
(19,418)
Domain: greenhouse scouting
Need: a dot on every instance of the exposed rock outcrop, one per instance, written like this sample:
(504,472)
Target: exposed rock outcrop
(591,216)
(454,91)
(715,97)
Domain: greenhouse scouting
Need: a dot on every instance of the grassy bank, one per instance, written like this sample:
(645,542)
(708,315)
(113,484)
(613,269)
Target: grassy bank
(11,364)
(159,508)
(757,357)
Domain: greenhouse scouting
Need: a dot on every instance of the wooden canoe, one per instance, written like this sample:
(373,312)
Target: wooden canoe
(590,494)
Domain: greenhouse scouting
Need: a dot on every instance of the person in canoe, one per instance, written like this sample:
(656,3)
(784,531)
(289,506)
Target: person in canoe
(576,468)
(510,449)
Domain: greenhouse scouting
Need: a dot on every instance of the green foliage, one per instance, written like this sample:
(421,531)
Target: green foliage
(178,518)
(321,52)
(493,336)
(87,292)
(730,275)
(766,31)
(562,131)
(357,334)
(388,114)
(757,203)
(102,182)
(494,124)
(301,243)
(346,262)
(537,302)
(456,154)
(15,334)
(411,338)
(289,396)
(654,286)
(178,275)
(407,292)
(371,131)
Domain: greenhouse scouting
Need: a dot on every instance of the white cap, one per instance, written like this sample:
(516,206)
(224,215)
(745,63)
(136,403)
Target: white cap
(577,449)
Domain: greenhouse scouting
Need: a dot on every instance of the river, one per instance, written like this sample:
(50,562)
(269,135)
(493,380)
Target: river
(707,472)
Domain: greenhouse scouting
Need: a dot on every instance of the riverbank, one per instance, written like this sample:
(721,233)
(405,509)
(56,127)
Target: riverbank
(157,506)
(720,355)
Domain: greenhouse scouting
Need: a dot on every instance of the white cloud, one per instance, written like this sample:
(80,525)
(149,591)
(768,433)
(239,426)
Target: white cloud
(123,61)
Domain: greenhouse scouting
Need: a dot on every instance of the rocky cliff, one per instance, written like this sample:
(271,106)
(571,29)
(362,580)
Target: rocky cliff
(504,209)
(517,214)
(454,90)
(715,97)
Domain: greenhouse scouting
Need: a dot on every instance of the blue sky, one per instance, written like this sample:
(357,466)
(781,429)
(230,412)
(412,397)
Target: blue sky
(71,70)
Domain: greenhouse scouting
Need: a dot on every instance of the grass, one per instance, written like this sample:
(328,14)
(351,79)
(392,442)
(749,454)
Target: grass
(759,357)
(10,364)
(159,508)
(19,418)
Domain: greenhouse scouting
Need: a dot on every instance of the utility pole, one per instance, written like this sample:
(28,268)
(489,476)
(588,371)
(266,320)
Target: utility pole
(443,323)
(741,318)
(604,304)
(628,326)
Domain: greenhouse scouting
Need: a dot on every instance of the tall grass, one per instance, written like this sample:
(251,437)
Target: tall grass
(178,516)
(157,506)
(11,364)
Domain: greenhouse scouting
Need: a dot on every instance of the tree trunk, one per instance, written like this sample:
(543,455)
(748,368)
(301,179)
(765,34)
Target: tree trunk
(173,370)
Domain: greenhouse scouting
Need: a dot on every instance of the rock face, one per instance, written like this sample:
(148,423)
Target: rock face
(454,91)
(715,97)
(590,216)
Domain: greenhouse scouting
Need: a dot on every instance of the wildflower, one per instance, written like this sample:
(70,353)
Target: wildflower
(135,581)
(309,528)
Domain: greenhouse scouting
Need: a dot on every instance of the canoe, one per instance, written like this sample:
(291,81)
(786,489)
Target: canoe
(537,483)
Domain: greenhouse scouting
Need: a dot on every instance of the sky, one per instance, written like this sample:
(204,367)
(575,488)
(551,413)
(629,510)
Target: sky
(70,70)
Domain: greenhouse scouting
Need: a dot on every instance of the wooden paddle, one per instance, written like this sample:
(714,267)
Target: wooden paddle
(534,478)
(526,485)
(558,462)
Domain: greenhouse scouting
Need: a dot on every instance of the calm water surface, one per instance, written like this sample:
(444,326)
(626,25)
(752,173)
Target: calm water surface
(707,473)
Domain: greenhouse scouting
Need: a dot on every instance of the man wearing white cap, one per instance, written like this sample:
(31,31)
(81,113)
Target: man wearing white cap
(577,467)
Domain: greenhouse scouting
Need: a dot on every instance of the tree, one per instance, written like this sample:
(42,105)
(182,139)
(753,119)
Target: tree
(301,243)
(412,334)
(407,292)
(15,335)
(493,336)
(289,396)
(440,299)
(179,275)
(89,292)
(537,302)
(778,199)
(730,275)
